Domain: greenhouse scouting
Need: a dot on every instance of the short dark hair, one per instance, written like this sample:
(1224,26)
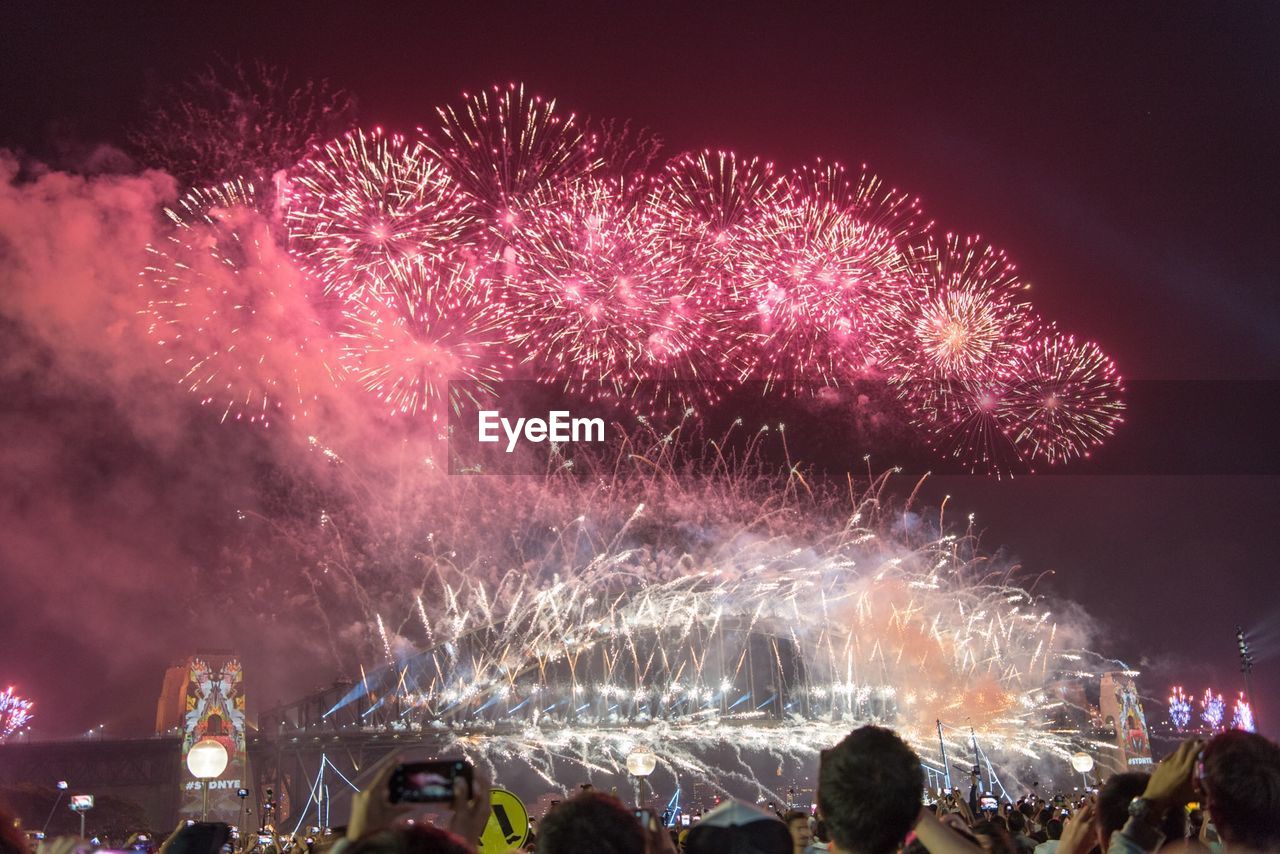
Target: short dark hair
(869,791)
(1017,822)
(1242,778)
(996,834)
(764,836)
(1053,827)
(795,815)
(602,819)
(1114,797)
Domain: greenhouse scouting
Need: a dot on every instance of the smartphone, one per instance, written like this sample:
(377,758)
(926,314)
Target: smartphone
(264,838)
(987,802)
(427,782)
(644,817)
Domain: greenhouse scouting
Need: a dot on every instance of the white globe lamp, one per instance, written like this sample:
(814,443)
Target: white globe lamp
(640,764)
(206,760)
(1082,762)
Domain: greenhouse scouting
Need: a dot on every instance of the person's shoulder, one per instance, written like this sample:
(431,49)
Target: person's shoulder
(1047,847)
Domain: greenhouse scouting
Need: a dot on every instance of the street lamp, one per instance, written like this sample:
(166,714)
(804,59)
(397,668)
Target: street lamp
(1083,763)
(640,764)
(206,760)
(62,790)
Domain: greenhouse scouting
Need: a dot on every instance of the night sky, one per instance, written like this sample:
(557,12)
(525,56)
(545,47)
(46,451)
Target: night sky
(1124,156)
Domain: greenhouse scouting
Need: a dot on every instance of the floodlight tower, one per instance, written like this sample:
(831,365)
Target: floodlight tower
(1246,667)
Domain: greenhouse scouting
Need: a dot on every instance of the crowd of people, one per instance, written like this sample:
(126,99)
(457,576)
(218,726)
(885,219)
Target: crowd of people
(1220,796)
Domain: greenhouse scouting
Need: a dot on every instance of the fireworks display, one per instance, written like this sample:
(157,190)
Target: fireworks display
(1065,399)
(601,307)
(826,260)
(503,145)
(963,317)
(368,203)
(568,257)
(15,713)
(235,314)
(419,327)
(1242,715)
(1212,709)
(1179,709)
(636,601)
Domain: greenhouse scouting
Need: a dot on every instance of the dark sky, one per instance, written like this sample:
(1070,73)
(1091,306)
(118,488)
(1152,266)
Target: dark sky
(1124,155)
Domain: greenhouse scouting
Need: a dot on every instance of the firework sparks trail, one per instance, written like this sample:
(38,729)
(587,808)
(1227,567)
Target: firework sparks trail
(503,145)
(714,207)
(367,202)
(15,713)
(425,337)
(972,422)
(234,311)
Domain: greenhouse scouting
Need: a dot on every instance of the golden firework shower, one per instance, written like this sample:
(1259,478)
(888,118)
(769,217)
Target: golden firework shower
(690,606)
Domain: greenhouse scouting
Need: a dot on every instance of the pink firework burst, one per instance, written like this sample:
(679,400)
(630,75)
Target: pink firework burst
(971,422)
(367,202)
(430,335)
(963,316)
(237,316)
(713,206)
(15,712)
(1066,399)
(503,145)
(826,258)
(605,309)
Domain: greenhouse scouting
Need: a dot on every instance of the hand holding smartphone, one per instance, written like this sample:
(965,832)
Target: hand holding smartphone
(428,782)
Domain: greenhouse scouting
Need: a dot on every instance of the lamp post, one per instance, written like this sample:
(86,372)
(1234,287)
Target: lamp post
(206,760)
(62,789)
(1083,763)
(640,764)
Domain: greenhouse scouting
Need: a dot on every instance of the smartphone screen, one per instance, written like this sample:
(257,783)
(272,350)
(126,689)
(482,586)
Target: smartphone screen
(427,782)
